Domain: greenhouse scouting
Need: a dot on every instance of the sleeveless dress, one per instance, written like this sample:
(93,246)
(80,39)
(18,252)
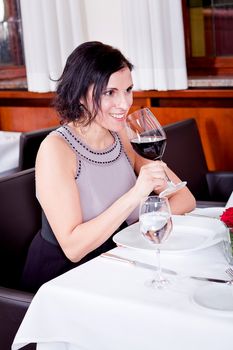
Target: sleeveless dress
(101,177)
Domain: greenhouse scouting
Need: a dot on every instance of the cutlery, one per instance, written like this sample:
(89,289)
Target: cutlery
(201,216)
(210,279)
(136,263)
(152,267)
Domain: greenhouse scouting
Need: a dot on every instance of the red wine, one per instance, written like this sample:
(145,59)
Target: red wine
(149,147)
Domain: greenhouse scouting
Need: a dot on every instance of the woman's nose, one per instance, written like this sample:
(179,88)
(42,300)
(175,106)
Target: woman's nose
(123,101)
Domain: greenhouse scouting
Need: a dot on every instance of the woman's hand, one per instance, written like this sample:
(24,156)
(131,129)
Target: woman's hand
(151,177)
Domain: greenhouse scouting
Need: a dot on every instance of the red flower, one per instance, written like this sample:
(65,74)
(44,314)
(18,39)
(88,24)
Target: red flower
(227,217)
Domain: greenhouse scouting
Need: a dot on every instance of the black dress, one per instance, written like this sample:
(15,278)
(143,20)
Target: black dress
(46,259)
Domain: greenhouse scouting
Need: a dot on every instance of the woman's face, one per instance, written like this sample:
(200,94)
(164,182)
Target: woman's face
(115,101)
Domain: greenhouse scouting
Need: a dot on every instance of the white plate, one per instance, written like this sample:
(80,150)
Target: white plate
(189,233)
(213,212)
(215,296)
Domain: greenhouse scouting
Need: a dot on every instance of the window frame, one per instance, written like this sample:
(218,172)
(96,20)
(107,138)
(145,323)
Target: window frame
(203,66)
(11,73)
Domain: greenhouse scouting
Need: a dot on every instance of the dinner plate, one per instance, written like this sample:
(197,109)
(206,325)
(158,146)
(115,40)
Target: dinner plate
(213,212)
(215,296)
(189,233)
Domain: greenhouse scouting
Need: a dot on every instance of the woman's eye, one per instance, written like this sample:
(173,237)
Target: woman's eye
(129,89)
(108,93)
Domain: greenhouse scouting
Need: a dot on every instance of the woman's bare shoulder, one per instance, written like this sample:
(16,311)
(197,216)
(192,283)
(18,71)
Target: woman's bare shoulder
(54,150)
(53,143)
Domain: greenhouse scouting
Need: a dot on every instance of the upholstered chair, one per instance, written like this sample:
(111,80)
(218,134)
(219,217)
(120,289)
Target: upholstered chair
(184,154)
(20,219)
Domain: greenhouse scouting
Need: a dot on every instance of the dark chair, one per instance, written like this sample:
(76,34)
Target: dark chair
(20,219)
(29,144)
(185,156)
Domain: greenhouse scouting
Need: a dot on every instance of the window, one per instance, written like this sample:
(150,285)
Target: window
(208,34)
(11,46)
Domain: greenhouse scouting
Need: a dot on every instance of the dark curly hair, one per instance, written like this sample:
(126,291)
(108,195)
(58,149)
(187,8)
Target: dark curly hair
(90,64)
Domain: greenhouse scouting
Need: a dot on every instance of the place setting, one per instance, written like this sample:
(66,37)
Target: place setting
(216,297)
(164,237)
(187,234)
(174,237)
(225,216)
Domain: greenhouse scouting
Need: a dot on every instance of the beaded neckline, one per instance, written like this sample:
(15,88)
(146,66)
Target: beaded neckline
(109,155)
(83,144)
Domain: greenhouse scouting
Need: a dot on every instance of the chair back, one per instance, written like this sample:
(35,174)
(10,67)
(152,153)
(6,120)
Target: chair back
(20,219)
(28,146)
(185,156)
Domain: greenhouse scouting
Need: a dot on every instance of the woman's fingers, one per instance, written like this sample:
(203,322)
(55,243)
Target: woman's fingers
(156,170)
(152,176)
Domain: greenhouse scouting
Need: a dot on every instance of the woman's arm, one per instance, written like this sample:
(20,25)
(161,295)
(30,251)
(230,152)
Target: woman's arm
(182,201)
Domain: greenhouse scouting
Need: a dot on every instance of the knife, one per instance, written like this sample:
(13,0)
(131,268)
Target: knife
(136,263)
(201,215)
(210,279)
(152,267)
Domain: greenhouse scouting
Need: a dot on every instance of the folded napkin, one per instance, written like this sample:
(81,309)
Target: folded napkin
(213,212)
(230,201)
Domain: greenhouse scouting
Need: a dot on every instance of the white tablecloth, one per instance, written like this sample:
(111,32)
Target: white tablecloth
(9,150)
(104,304)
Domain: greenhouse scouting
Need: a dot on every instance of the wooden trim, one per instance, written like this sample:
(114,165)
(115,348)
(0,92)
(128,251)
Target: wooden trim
(210,66)
(12,72)
(18,94)
(189,93)
(141,98)
(25,98)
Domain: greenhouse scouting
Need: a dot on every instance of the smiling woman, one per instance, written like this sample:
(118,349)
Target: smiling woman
(89,180)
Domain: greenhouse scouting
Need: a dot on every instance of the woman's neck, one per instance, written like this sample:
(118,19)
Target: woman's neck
(94,135)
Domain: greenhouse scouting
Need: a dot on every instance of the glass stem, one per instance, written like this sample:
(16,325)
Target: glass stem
(159,264)
(167,177)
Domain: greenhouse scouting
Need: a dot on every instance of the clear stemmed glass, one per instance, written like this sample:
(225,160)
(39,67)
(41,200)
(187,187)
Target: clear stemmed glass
(155,225)
(149,140)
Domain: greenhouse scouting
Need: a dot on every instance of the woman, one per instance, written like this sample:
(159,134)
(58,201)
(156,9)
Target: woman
(85,170)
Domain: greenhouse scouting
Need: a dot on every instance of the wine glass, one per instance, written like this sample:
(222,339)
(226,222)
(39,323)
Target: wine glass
(148,139)
(155,225)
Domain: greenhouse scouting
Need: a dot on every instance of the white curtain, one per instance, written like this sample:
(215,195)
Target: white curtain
(149,33)
(51,30)
(154,41)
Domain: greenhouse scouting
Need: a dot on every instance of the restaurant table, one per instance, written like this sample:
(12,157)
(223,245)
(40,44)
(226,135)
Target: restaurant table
(9,150)
(105,304)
